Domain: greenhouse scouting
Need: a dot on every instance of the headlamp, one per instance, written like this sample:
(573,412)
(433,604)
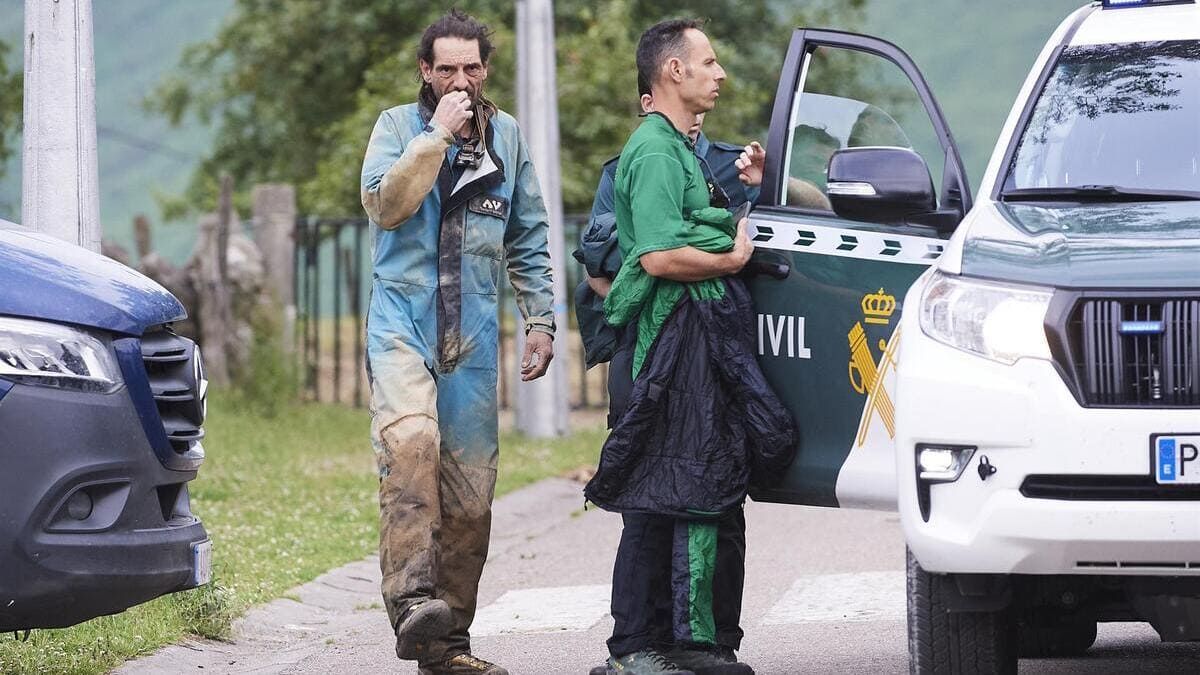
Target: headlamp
(54,355)
(1001,322)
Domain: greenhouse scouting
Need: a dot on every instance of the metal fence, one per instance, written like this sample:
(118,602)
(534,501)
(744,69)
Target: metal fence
(333,285)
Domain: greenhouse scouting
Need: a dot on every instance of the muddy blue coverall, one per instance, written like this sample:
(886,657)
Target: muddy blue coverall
(441,237)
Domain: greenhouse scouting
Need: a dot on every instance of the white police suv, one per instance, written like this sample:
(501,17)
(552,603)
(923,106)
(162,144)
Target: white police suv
(1018,373)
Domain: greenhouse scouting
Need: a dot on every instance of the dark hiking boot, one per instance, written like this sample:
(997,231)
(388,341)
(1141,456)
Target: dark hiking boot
(423,622)
(645,662)
(704,661)
(463,664)
(599,670)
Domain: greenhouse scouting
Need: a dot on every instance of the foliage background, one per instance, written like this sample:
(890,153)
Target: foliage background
(294,96)
(288,112)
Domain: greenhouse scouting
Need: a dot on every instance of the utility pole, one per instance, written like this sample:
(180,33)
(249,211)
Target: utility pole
(542,404)
(60,192)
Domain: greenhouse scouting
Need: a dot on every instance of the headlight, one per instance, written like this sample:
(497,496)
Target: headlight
(1002,322)
(52,355)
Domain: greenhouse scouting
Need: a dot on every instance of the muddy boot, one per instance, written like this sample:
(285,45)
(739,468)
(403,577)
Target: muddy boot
(645,662)
(422,623)
(599,670)
(704,661)
(463,664)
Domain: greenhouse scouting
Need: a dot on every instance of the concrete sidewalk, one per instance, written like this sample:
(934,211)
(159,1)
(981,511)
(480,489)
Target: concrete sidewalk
(343,608)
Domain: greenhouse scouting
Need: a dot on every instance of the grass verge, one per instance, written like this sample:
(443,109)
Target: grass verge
(284,499)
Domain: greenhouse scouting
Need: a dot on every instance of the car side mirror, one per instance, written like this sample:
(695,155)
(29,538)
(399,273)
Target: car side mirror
(879,185)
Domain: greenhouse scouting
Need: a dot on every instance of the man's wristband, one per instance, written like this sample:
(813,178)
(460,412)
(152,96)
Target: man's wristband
(547,328)
(440,132)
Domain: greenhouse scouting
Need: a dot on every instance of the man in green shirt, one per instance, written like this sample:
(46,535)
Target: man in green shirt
(661,197)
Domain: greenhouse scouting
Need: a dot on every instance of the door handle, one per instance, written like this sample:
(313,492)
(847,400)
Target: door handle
(776,270)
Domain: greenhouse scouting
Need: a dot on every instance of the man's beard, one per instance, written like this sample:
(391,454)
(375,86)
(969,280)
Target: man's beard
(429,100)
(482,107)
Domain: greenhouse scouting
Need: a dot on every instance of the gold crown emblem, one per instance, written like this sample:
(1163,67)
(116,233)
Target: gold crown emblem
(878,307)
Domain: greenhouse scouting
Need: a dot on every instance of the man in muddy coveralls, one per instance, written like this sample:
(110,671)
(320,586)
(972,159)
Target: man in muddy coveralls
(451,193)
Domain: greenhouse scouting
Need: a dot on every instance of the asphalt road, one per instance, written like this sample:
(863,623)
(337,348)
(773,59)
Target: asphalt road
(824,594)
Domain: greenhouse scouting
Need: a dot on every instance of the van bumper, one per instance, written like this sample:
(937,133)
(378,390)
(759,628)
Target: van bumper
(91,523)
(1073,490)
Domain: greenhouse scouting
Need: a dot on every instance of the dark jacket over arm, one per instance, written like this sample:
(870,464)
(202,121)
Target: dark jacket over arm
(702,418)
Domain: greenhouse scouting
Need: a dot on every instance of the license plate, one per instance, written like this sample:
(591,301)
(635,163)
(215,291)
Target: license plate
(202,563)
(1176,458)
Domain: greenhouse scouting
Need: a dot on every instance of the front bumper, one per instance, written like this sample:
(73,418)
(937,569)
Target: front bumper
(135,538)
(1024,420)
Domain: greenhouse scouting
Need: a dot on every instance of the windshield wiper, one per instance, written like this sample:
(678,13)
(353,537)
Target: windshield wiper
(1098,193)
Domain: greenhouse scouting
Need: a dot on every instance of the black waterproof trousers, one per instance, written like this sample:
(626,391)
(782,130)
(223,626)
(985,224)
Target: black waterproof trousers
(649,570)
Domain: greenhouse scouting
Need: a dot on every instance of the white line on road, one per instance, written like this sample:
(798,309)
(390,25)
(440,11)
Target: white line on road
(866,596)
(543,610)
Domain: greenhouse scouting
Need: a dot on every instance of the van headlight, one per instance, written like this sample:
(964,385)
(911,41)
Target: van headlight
(1002,322)
(53,355)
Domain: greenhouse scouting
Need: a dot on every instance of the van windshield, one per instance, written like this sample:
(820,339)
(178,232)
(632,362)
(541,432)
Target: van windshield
(1122,116)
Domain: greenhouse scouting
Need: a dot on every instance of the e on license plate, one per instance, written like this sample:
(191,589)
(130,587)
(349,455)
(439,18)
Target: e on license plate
(1176,458)
(202,563)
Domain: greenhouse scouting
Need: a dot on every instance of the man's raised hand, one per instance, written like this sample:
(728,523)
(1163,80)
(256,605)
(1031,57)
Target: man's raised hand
(453,111)
(750,164)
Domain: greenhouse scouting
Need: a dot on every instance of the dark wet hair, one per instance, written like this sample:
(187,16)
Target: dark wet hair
(458,24)
(662,41)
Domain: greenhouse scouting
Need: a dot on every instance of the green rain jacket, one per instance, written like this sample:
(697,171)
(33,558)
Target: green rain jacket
(662,203)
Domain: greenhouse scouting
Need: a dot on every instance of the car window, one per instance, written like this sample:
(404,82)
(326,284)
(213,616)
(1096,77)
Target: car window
(851,99)
(1126,115)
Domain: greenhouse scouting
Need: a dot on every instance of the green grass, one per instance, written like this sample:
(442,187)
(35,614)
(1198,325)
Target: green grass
(284,500)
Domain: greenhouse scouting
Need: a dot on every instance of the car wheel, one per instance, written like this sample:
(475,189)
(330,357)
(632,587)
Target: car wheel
(1039,637)
(959,642)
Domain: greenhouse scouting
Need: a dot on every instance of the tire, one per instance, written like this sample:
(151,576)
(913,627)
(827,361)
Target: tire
(1039,638)
(960,642)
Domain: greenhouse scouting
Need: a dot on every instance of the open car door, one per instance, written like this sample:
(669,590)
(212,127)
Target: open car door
(853,121)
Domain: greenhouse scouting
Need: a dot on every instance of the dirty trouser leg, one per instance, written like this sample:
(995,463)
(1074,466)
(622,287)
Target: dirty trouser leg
(469,456)
(404,433)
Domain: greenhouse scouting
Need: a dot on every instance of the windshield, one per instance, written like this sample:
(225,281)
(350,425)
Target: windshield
(1124,115)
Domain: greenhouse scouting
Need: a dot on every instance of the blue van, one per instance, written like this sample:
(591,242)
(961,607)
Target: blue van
(101,414)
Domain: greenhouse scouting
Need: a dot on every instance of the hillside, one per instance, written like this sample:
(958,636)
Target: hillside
(975,56)
(139,154)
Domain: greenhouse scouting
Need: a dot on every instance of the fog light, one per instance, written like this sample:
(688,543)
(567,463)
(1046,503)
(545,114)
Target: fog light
(942,463)
(79,505)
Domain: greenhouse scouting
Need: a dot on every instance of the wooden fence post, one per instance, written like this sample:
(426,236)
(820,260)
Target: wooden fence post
(216,311)
(274,219)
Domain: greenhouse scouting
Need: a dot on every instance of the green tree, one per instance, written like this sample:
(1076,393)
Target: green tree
(295,87)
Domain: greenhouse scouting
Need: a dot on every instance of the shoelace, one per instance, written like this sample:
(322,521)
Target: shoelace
(660,661)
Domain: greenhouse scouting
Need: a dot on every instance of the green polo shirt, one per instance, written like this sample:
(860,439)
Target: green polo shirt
(661,203)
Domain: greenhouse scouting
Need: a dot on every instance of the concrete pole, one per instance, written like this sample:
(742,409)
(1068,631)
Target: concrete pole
(542,404)
(60,192)
(274,218)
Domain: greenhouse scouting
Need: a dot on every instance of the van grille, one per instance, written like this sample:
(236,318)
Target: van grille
(177,383)
(1102,487)
(1137,353)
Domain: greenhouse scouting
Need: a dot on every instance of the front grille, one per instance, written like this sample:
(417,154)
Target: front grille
(1084,487)
(1136,352)
(176,381)
(1136,565)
